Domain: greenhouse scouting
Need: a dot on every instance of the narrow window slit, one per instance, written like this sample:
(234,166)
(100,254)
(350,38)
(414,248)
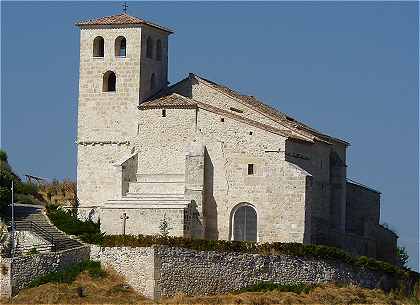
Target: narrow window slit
(250,169)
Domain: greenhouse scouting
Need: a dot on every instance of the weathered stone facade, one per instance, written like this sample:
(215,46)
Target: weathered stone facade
(212,162)
(164,271)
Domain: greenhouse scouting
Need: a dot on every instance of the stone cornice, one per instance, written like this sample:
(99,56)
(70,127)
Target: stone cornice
(102,142)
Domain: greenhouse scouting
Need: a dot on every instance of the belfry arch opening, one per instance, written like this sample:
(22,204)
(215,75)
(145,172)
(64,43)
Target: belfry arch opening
(120,46)
(98,47)
(109,82)
(244,223)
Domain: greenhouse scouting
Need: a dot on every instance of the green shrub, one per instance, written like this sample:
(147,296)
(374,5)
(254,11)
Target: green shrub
(402,256)
(5,199)
(67,222)
(26,188)
(270,286)
(69,274)
(27,199)
(33,251)
(3,155)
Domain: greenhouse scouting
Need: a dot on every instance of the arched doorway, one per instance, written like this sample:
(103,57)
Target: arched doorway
(244,223)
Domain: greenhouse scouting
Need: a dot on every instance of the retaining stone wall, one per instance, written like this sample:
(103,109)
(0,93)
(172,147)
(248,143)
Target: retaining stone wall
(137,265)
(163,271)
(22,270)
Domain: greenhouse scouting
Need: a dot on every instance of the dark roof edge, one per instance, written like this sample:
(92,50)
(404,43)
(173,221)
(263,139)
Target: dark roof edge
(362,185)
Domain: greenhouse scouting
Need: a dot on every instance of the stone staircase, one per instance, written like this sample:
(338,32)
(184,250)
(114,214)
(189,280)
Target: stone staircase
(30,218)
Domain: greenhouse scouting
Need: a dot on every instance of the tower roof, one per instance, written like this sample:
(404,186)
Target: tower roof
(121,19)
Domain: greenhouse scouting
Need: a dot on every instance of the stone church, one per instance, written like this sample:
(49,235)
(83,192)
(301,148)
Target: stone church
(207,160)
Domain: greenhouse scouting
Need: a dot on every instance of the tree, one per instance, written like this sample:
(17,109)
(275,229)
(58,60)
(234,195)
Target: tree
(6,177)
(3,155)
(402,256)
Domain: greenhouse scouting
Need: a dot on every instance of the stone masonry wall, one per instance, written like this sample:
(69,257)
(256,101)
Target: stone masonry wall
(363,207)
(144,220)
(21,270)
(161,271)
(207,272)
(137,265)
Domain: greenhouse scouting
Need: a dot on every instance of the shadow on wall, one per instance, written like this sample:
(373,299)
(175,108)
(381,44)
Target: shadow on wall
(307,235)
(210,205)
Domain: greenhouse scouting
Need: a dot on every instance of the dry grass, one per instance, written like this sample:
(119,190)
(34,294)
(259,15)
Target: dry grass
(109,290)
(326,294)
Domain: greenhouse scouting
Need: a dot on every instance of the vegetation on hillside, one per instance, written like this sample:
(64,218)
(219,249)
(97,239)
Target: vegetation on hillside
(317,294)
(67,221)
(69,274)
(24,192)
(90,286)
(60,192)
(112,289)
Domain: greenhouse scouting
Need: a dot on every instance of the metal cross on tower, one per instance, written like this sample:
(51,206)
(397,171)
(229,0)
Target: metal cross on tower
(125,6)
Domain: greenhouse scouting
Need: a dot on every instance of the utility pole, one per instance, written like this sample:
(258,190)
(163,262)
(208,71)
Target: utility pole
(13,225)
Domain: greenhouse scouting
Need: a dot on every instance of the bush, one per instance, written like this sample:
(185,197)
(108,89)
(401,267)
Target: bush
(402,256)
(33,251)
(69,274)
(26,188)
(3,155)
(27,199)
(5,199)
(66,221)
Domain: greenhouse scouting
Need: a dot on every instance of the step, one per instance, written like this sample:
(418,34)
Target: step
(154,196)
(160,178)
(157,187)
(133,203)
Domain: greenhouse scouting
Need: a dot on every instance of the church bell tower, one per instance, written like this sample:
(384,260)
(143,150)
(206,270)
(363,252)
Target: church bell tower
(123,62)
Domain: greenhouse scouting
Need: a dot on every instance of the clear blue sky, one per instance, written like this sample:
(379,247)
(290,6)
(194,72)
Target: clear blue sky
(348,69)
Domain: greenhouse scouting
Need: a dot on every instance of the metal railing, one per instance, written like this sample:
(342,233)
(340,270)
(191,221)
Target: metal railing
(33,227)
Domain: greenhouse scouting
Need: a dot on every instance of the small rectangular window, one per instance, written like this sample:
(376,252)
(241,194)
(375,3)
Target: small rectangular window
(163,112)
(222,119)
(250,169)
(250,133)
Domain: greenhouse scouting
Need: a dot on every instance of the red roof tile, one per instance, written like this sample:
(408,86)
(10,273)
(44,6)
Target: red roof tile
(121,19)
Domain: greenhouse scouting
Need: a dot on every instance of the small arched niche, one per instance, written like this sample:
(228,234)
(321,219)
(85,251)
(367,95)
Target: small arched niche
(244,222)
(98,47)
(120,46)
(109,82)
